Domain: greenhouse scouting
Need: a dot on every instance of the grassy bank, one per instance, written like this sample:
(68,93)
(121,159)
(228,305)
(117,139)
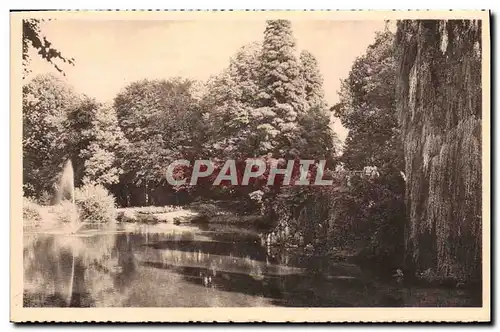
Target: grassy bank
(64,216)
(207,212)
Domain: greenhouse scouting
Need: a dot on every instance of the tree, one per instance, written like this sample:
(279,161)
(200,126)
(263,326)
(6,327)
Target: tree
(367,109)
(58,125)
(32,37)
(439,110)
(313,81)
(230,100)
(281,96)
(162,122)
(96,142)
(315,139)
(47,100)
(267,98)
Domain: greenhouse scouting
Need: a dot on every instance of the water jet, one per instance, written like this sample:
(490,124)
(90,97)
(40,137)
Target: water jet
(65,191)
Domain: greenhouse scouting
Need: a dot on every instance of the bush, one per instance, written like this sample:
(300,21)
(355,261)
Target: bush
(65,212)
(366,215)
(298,215)
(95,204)
(31,211)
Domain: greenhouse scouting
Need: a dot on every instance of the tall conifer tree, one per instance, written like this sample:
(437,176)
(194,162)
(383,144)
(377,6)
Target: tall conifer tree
(282,90)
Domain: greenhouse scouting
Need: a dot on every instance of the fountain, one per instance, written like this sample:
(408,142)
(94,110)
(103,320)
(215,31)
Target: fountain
(65,191)
(66,186)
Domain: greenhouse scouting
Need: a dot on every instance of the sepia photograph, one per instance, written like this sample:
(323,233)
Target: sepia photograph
(270,166)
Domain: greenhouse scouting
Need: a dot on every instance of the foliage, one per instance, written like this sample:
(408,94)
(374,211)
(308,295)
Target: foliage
(65,212)
(230,101)
(32,37)
(373,210)
(162,123)
(47,100)
(96,141)
(45,198)
(207,208)
(268,104)
(315,140)
(377,212)
(95,204)
(299,214)
(31,211)
(312,80)
(439,108)
(281,94)
(359,210)
(268,101)
(59,124)
(367,109)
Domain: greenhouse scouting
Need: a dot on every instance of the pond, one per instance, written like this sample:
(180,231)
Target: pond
(206,266)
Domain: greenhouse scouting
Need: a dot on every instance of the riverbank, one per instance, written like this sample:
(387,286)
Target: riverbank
(154,215)
(63,217)
(207,212)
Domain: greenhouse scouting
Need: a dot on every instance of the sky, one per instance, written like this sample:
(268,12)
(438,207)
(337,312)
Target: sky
(110,54)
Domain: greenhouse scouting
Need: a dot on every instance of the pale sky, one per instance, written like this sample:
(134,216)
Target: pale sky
(111,54)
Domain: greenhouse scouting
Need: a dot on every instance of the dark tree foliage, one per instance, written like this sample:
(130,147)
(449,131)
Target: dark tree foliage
(32,37)
(162,122)
(59,124)
(367,109)
(371,210)
(97,143)
(439,108)
(47,101)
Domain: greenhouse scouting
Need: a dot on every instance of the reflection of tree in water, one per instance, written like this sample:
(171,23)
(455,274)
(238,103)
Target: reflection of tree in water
(69,270)
(99,270)
(47,272)
(126,261)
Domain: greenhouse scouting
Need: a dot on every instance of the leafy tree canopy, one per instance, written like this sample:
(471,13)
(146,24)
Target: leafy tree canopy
(32,37)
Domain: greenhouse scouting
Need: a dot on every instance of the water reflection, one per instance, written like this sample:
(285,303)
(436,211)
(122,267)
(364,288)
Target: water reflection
(190,267)
(56,269)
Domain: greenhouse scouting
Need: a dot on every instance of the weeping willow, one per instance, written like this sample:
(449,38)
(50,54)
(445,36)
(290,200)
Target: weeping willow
(439,110)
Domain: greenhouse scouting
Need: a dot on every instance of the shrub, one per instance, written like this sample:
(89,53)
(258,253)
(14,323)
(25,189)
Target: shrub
(299,214)
(366,215)
(65,212)
(31,211)
(95,204)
